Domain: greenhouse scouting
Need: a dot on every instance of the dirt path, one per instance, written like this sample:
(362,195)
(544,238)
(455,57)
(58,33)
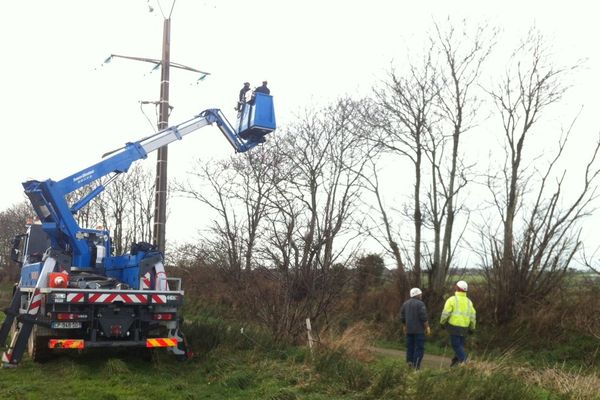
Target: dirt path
(429,361)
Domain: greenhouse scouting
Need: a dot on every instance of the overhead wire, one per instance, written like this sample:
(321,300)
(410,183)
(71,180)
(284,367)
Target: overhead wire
(170,11)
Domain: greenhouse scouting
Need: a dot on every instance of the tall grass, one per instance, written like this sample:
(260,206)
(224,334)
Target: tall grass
(342,357)
(354,341)
(390,381)
(338,366)
(577,385)
(468,383)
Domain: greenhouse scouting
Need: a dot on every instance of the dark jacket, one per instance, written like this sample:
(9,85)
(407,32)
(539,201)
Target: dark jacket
(414,315)
(263,89)
(243,92)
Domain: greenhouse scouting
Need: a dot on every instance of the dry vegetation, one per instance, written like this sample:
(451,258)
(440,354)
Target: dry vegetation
(577,385)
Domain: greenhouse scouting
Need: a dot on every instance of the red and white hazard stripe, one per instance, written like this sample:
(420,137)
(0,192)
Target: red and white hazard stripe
(75,297)
(159,298)
(36,303)
(113,297)
(146,281)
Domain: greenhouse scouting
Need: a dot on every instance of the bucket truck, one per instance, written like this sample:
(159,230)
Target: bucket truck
(73,292)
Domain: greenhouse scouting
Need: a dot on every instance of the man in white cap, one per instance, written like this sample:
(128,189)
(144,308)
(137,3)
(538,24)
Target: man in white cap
(413,316)
(460,317)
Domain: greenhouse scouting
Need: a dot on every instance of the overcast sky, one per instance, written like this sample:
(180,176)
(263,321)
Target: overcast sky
(62,108)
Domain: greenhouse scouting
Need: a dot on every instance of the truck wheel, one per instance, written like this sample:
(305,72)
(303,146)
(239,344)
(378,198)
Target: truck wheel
(37,345)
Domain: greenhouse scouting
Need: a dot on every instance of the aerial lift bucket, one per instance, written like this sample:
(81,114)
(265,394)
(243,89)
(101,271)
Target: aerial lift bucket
(257,118)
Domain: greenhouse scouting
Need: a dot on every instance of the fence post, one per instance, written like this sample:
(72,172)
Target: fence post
(309,333)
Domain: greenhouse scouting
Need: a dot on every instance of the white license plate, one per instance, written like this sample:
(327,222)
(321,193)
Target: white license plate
(66,325)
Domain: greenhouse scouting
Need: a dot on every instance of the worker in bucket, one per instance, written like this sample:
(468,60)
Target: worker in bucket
(260,89)
(415,325)
(459,316)
(263,88)
(242,97)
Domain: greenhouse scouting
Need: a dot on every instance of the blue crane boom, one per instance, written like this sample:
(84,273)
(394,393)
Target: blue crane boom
(49,197)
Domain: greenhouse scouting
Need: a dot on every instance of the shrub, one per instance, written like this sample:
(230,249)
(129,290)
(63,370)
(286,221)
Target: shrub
(465,382)
(354,341)
(391,380)
(336,365)
(204,336)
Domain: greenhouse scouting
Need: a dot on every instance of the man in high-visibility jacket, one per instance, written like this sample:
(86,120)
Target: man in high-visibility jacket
(460,317)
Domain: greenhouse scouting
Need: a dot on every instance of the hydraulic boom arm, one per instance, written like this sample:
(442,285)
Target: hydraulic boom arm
(56,215)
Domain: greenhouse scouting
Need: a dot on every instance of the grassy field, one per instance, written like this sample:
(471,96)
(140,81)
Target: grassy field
(220,376)
(253,375)
(231,364)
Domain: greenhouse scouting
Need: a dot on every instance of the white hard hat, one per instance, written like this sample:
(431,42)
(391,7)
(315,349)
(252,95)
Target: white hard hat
(462,285)
(415,292)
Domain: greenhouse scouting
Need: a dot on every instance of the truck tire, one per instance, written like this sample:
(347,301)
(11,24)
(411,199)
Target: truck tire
(37,345)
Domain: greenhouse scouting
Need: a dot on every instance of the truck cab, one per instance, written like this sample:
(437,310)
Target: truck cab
(29,247)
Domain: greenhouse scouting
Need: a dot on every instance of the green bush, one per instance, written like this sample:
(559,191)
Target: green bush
(204,336)
(336,365)
(390,379)
(206,332)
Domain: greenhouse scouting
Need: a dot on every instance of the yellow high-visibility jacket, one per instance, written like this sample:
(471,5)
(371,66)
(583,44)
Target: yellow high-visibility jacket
(459,311)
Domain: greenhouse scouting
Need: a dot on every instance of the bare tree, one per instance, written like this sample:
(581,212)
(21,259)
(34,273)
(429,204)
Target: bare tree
(462,55)
(539,239)
(383,227)
(588,261)
(283,217)
(238,191)
(324,155)
(141,189)
(12,222)
(218,185)
(124,208)
(422,115)
(402,116)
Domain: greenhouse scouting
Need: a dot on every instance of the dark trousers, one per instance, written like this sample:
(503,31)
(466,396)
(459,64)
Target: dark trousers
(415,349)
(458,345)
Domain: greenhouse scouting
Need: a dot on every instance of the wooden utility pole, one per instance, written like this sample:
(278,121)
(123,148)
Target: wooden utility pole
(161,185)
